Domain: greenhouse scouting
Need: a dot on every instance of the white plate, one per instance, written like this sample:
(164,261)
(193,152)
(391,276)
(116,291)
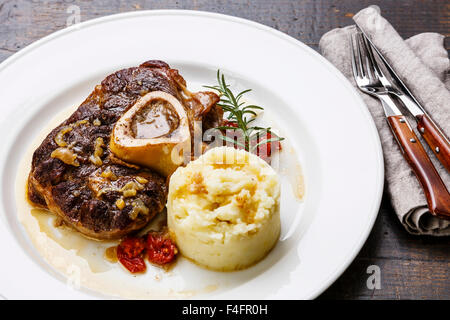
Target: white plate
(325,119)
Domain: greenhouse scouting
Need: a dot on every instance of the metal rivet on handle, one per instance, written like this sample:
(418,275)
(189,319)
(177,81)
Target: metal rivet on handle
(422,130)
(412,140)
(437,149)
(402,120)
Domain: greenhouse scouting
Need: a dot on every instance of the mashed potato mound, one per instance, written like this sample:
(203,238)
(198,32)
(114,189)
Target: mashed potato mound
(223,209)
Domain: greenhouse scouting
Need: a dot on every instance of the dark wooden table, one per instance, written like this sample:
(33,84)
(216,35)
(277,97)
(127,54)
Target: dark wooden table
(411,267)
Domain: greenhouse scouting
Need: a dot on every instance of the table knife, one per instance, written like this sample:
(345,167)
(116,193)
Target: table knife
(430,131)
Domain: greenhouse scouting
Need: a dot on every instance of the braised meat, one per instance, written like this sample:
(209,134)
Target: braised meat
(76,176)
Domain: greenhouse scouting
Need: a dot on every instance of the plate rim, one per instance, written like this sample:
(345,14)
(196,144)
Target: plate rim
(340,269)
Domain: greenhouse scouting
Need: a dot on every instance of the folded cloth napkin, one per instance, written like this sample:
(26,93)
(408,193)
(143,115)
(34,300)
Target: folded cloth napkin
(422,63)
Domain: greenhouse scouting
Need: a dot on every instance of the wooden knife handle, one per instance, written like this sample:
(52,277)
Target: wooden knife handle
(438,197)
(435,138)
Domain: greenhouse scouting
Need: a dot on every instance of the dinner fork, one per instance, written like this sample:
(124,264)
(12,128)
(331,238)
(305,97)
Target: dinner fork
(370,79)
(430,130)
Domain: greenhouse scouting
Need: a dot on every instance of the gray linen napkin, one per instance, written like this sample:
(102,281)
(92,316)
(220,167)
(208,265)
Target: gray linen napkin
(422,63)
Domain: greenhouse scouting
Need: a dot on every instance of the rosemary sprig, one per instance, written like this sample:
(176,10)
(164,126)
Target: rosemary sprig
(240,116)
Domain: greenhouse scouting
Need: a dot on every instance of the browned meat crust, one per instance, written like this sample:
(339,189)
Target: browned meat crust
(103,197)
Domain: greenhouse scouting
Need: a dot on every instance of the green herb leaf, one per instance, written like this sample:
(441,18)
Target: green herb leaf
(240,114)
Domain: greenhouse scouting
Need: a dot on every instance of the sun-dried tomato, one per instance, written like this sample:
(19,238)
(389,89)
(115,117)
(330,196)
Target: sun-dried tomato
(264,150)
(235,135)
(132,247)
(134,265)
(160,249)
(229,123)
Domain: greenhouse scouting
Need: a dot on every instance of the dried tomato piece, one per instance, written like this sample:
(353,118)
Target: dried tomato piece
(129,254)
(132,247)
(228,123)
(235,135)
(265,149)
(134,265)
(160,249)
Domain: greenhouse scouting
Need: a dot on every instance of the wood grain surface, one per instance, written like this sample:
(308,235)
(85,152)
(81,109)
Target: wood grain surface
(411,267)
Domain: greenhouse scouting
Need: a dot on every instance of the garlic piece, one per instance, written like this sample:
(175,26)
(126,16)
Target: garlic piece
(141,179)
(130,189)
(59,138)
(138,207)
(98,152)
(109,174)
(120,203)
(65,155)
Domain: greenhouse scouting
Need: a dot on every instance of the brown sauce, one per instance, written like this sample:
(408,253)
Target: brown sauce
(155,120)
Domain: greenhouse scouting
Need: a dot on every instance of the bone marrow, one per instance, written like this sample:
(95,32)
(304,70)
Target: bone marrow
(153,133)
(156,119)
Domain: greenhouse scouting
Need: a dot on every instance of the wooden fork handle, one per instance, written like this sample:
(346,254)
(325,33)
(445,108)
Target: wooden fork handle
(435,138)
(438,197)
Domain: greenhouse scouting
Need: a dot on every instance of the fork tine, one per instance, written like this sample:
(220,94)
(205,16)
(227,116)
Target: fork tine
(375,67)
(371,65)
(370,58)
(357,65)
(353,53)
(369,61)
(359,58)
